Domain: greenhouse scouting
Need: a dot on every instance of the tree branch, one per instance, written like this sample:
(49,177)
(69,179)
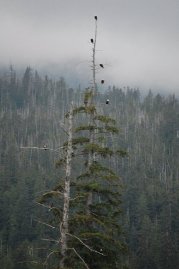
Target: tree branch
(30,262)
(50,240)
(46,206)
(91,249)
(39,148)
(45,263)
(79,196)
(80,257)
(39,221)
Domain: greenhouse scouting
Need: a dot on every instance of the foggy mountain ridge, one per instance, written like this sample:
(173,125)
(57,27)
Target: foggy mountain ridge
(76,74)
(137,39)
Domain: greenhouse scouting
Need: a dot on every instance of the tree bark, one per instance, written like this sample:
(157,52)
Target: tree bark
(92,156)
(64,224)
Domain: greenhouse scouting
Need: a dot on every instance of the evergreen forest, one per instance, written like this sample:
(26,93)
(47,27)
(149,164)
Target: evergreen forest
(33,110)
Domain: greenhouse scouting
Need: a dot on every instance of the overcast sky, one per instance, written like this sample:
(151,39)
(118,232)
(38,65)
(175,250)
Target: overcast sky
(138,40)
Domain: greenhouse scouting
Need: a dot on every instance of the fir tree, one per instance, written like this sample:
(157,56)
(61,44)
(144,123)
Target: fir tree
(87,215)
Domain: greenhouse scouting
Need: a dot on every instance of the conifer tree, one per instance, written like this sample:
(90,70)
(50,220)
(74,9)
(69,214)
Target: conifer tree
(86,203)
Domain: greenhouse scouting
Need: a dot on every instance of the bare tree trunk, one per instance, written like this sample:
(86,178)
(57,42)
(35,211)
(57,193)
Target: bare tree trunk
(94,61)
(91,156)
(64,224)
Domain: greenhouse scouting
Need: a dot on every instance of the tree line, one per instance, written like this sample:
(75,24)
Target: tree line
(32,112)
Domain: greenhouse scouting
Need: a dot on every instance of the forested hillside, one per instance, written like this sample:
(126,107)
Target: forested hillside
(31,109)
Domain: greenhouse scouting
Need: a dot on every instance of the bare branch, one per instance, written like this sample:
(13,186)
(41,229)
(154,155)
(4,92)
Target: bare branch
(77,197)
(80,257)
(29,262)
(39,148)
(50,240)
(62,147)
(41,248)
(91,249)
(51,193)
(46,206)
(48,225)
(51,253)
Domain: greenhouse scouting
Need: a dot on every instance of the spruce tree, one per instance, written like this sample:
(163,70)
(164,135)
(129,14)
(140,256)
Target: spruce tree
(86,202)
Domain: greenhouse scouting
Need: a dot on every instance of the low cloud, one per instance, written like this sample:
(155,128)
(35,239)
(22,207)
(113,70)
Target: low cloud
(138,40)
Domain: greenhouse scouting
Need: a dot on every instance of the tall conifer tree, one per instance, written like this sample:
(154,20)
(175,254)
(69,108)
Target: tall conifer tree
(86,204)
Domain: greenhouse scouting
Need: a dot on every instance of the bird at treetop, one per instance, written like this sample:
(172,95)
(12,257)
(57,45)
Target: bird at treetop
(101,65)
(102,81)
(107,101)
(96,18)
(91,40)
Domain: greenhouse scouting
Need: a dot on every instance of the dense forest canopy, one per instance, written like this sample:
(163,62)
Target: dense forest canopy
(31,108)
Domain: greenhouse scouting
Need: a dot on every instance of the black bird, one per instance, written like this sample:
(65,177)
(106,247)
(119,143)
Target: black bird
(96,18)
(107,101)
(102,81)
(91,40)
(101,65)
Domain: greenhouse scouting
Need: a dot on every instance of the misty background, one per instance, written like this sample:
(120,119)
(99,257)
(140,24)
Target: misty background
(137,40)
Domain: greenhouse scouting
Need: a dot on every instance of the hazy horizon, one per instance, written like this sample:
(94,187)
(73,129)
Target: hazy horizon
(137,39)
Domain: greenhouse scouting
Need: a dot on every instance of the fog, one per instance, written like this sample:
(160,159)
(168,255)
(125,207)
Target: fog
(137,40)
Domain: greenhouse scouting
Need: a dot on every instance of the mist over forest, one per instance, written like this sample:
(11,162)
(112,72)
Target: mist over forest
(89,134)
(77,74)
(31,108)
(137,40)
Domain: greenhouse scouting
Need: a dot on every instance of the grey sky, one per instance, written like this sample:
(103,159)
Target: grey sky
(138,40)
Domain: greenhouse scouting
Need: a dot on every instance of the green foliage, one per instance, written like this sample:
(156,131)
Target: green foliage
(88,94)
(60,162)
(87,109)
(97,167)
(150,177)
(86,128)
(104,119)
(111,129)
(95,148)
(121,153)
(79,140)
(80,219)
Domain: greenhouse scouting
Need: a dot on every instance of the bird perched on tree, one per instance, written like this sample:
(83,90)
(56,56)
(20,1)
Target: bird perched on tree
(45,147)
(101,65)
(96,18)
(102,81)
(92,40)
(107,101)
